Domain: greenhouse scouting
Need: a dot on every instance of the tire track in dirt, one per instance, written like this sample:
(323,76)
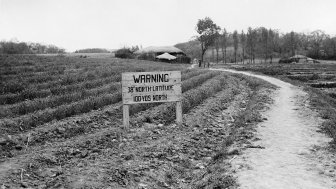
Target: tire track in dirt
(282,157)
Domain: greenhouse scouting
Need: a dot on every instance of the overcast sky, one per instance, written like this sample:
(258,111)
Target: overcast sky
(76,24)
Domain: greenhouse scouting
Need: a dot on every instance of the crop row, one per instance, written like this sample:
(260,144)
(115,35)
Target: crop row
(37,118)
(47,133)
(324,85)
(26,107)
(166,112)
(19,84)
(63,64)
(34,76)
(33,67)
(56,71)
(186,86)
(55,88)
(191,99)
(29,106)
(43,116)
(18,65)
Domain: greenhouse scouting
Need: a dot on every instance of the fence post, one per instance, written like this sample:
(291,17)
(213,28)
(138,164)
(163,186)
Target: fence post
(126,115)
(179,112)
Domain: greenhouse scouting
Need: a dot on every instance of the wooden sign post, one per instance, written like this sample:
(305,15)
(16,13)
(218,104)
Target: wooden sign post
(150,87)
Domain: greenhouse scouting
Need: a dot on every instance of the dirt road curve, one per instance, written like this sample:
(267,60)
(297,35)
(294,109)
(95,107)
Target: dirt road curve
(283,157)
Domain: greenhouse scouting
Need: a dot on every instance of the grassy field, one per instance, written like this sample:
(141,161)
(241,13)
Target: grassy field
(61,125)
(319,81)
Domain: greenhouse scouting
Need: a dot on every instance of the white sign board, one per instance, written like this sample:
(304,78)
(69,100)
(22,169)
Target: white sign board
(149,87)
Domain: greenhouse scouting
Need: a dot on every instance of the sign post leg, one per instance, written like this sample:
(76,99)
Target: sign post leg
(126,115)
(179,112)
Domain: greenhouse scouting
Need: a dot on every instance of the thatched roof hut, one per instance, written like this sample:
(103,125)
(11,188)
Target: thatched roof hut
(160,50)
(166,56)
(152,53)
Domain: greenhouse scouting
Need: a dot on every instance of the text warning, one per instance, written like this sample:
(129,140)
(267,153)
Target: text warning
(148,87)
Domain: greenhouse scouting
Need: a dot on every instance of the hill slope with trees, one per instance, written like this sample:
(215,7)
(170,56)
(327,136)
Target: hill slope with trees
(15,47)
(262,43)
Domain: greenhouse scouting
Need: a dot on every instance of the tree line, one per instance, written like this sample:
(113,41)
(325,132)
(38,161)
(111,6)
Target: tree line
(13,47)
(92,50)
(257,43)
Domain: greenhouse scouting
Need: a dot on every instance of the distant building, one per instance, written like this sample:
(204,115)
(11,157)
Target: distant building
(153,53)
(298,59)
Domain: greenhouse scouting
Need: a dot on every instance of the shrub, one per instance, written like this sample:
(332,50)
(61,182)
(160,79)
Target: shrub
(146,57)
(315,76)
(332,95)
(124,53)
(183,59)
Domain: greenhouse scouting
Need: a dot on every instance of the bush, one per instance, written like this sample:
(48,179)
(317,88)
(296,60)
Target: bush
(183,59)
(146,57)
(124,53)
(332,95)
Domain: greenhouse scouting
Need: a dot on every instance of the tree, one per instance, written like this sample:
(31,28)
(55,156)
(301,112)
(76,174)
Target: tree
(217,45)
(235,44)
(272,44)
(251,39)
(224,40)
(191,48)
(207,31)
(290,43)
(11,47)
(293,42)
(315,40)
(92,50)
(264,42)
(329,47)
(243,43)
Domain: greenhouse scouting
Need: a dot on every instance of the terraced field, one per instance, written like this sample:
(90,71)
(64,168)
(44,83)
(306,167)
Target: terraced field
(320,75)
(61,125)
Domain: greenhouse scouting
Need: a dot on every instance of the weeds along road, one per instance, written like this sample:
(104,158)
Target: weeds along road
(282,153)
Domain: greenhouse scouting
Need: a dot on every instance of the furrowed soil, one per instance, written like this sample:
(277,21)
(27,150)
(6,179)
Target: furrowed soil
(93,150)
(288,150)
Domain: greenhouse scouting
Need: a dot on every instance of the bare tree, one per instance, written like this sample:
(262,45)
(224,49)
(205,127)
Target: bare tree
(264,42)
(217,46)
(273,36)
(290,43)
(329,47)
(293,42)
(224,40)
(315,39)
(213,54)
(251,38)
(235,44)
(243,43)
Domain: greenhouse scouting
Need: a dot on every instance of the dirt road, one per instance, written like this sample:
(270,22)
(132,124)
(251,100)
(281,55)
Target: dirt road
(282,152)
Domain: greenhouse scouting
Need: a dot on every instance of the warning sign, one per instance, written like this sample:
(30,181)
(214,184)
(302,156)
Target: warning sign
(149,87)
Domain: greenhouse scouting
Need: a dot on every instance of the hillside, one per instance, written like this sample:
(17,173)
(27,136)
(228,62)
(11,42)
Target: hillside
(193,50)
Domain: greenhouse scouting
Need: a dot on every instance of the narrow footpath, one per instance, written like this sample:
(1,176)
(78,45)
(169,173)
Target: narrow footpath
(284,143)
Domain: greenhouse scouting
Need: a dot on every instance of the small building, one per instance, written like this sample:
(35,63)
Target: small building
(298,59)
(152,53)
(302,59)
